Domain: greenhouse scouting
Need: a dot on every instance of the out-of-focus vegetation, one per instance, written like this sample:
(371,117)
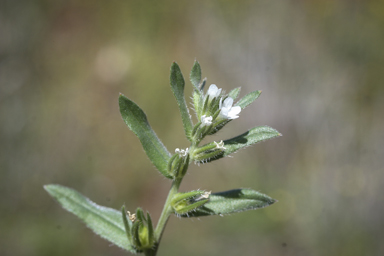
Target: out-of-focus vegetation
(319,63)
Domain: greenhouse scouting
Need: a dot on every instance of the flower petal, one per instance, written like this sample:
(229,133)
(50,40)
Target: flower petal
(213,91)
(228,102)
(233,112)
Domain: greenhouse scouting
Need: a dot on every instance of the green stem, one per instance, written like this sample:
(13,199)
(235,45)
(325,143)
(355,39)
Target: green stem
(167,211)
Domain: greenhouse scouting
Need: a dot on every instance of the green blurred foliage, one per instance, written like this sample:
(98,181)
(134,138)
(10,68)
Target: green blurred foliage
(319,64)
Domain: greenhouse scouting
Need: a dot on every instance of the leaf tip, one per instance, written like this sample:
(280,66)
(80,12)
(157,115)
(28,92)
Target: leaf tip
(49,188)
(121,96)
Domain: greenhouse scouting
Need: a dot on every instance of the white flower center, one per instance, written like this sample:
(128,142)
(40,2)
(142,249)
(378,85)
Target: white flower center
(206,120)
(220,145)
(182,152)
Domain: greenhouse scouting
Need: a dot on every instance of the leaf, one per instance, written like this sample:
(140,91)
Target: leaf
(104,221)
(248,99)
(137,121)
(254,135)
(177,85)
(195,75)
(198,98)
(232,201)
(234,93)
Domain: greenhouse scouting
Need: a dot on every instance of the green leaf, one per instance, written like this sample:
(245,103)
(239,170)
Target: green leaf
(232,201)
(234,93)
(106,222)
(177,85)
(137,121)
(248,99)
(254,135)
(198,98)
(195,75)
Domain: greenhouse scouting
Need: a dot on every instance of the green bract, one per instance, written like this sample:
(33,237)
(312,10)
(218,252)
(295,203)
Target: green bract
(214,109)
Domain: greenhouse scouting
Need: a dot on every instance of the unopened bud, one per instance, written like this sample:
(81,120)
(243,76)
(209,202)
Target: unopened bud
(142,231)
(182,203)
(208,152)
(179,162)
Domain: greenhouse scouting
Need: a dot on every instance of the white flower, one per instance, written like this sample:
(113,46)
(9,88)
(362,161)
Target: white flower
(213,91)
(220,145)
(227,111)
(205,195)
(206,120)
(182,152)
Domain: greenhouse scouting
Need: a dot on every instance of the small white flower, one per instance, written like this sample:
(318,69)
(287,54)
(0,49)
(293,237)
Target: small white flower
(220,145)
(132,217)
(182,152)
(205,195)
(206,120)
(227,111)
(213,91)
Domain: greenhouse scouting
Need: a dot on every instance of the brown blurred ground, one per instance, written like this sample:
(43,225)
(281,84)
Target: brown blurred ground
(320,66)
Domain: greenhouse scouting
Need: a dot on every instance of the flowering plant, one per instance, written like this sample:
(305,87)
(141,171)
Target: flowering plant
(214,109)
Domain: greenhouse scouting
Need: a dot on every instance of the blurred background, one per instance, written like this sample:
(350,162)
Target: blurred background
(319,63)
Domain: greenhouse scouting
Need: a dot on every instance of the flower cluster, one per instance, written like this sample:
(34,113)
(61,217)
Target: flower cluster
(214,109)
(227,111)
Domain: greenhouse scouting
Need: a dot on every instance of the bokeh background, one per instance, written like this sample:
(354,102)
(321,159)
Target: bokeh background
(320,64)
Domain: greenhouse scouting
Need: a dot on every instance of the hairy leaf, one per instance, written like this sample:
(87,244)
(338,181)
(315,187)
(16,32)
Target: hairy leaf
(104,221)
(254,135)
(232,201)
(177,85)
(195,75)
(137,121)
(248,99)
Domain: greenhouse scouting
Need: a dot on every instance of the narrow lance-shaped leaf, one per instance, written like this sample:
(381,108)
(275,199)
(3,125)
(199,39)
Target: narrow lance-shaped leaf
(104,221)
(248,99)
(232,201)
(137,121)
(254,135)
(177,85)
(195,75)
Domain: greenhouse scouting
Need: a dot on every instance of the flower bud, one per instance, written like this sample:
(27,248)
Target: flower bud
(179,162)
(142,231)
(207,152)
(183,203)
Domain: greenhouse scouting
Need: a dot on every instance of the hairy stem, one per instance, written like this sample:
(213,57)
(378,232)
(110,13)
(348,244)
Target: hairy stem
(167,211)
